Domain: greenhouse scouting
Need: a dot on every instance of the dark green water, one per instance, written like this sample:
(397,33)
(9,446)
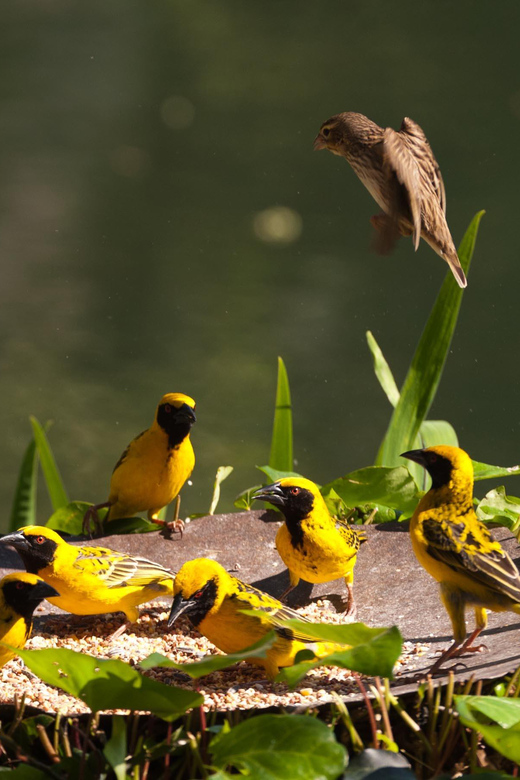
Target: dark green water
(138,142)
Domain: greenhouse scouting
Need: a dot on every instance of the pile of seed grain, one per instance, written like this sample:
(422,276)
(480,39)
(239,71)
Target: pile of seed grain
(241,687)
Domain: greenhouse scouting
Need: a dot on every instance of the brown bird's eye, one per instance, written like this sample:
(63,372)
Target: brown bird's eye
(40,539)
(167,408)
(295,491)
(326,131)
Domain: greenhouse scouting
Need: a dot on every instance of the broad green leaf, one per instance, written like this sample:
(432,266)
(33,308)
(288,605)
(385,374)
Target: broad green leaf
(69,518)
(115,750)
(281,455)
(383,372)
(499,508)
(223,473)
(131,525)
(53,481)
(212,663)
(435,432)
(278,747)
(476,711)
(273,475)
(23,510)
(485,471)
(390,487)
(108,685)
(374,513)
(428,362)
(371,651)
(245,499)
(25,772)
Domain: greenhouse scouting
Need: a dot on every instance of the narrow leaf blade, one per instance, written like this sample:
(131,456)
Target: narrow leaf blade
(55,487)
(281,455)
(383,371)
(223,473)
(23,510)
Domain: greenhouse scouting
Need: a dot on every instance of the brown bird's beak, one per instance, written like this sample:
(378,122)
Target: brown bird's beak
(319,143)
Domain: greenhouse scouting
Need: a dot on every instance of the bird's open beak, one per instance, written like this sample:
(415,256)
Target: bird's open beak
(16,540)
(319,143)
(272,493)
(415,455)
(42,590)
(180,605)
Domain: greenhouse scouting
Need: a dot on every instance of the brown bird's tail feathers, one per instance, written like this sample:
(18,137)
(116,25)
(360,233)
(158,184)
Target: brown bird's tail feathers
(454,263)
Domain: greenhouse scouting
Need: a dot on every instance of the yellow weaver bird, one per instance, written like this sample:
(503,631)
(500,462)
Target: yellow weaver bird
(20,594)
(214,602)
(90,580)
(152,470)
(313,545)
(457,549)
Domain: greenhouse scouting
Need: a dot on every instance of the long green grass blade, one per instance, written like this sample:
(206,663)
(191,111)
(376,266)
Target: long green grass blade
(383,370)
(55,487)
(23,510)
(428,362)
(281,455)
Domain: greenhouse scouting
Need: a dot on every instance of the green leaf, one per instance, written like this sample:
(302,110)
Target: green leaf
(362,513)
(383,372)
(108,684)
(371,651)
(273,475)
(485,471)
(244,499)
(25,772)
(23,510)
(499,508)
(390,487)
(55,488)
(277,747)
(476,711)
(212,663)
(131,525)
(428,362)
(223,473)
(435,432)
(69,518)
(281,456)
(115,749)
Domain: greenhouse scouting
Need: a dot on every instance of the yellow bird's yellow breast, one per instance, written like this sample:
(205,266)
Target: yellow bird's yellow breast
(323,554)
(14,631)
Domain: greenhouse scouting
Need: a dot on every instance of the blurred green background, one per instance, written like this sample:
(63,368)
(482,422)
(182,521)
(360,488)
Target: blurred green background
(142,148)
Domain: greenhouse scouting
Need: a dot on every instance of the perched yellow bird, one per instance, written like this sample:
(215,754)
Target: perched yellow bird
(215,602)
(152,470)
(20,594)
(458,550)
(313,545)
(90,580)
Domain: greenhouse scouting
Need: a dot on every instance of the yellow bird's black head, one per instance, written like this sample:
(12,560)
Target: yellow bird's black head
(24,592)
(176,415)
(36,545)
(296,497)
(446,465)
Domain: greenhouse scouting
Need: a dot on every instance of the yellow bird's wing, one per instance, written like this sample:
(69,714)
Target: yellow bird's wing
(126,452)
(353,536)
(119,570)
(472,551)
(248,597)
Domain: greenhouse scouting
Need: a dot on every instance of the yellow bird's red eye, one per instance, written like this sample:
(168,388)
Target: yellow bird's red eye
(20,585)
(167,408)
(198,594)
(40,539)
(433,457)
(295,491)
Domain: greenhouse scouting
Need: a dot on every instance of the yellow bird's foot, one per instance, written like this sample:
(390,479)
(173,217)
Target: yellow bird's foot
(286,592)
(118,632)
(350,608)
(91,516)
(174,526)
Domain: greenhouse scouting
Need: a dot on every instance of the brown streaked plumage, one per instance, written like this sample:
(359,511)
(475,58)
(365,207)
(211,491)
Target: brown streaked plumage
(399,170)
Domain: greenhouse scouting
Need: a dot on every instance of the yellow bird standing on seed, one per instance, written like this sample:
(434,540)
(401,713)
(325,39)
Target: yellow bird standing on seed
(20,594)
(214,601)
(90,580)
(399,170)
(457,549)
(152,470)
(313,545)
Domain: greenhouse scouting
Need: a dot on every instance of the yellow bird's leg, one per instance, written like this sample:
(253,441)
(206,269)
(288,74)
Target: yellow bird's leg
(455,605)
(293,582)
(481,623)
(351,608)
(174,525)
(91,515)
(132,616)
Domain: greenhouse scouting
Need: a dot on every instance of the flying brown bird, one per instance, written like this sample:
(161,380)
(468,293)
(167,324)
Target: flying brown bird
(402,175)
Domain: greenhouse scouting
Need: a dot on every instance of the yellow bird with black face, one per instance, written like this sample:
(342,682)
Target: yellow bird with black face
(458,550)
(399,170)
(90,580)
(314,546)
(152,470)
(20,594)
(214,602)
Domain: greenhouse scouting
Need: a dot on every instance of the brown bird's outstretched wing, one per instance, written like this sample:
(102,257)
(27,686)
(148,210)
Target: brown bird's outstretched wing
(473,552)
(399,158)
